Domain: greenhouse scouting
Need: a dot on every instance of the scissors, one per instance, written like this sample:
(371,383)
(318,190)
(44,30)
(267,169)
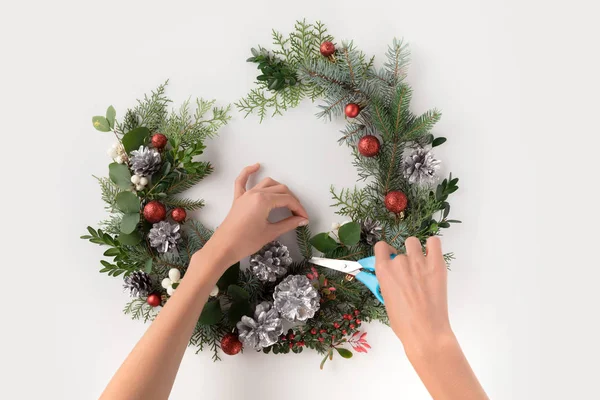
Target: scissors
(363,270)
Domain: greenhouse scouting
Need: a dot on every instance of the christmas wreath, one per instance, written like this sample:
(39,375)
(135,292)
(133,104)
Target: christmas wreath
(277,305)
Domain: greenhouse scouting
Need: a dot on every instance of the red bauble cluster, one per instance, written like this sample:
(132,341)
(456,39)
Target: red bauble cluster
(230,344)
(153,300)
(178,214)
(396,201)
(154,211)
(159,141)
(351,110)
(327,49)
(369,146)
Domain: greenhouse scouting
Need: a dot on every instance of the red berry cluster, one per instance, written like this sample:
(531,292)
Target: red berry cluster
(292,340)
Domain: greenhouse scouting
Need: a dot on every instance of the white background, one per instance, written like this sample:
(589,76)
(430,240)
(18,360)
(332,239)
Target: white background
(517,82)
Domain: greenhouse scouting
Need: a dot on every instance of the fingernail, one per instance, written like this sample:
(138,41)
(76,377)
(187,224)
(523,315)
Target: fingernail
(303,222)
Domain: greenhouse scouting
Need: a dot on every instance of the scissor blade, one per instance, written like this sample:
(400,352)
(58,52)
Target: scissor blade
(348,267)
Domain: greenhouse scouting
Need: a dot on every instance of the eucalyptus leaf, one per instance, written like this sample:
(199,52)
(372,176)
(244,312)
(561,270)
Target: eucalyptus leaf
(323,242)
(111,113)
(211,314)
(237,293)
(135,138)
(148,266)
(101,123)
(238,310)
(438,141)
(344,352)
(129,222)
(229,277)
(130,239)
(128,202)
(120,175)
(350,233)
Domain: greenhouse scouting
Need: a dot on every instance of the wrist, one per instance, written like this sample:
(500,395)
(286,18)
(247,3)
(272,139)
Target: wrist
(428,347)
(211,259)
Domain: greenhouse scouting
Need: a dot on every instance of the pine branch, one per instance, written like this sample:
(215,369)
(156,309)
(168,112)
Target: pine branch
(109,192)
(197,234)
(303,236)
(182,182)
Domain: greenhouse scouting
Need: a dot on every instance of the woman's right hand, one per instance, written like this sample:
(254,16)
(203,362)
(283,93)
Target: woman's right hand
(246,228)
(414,287)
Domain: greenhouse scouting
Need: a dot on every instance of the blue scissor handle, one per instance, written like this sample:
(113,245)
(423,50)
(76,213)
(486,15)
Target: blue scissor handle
(368,278)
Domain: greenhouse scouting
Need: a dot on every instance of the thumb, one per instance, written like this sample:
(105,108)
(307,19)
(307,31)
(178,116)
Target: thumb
(288,224)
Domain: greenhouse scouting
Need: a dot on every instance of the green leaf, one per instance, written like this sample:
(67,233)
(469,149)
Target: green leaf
(111,113)
(266,350)
(323,242)
(211,314)
(175,285)
(130,239)
(350,233)
(120,175)
(275,350)
(444,224)
(344,352)
(230,277)
(454,221)
(238,310)
(237,293)
(446,209)
(329,354)
(100,123)
(129,222)
(135,138)
(148,266)
(438,141)
(112,252)
(128,202)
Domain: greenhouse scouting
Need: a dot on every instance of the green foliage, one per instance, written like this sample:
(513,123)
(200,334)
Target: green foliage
(101,123)
(150,112)
(188,204)
(277,87)
(211,313)
(349,233)
(135,138)
(111,115)
(323,242)
(139,309)
(109,191)
(128,202)
(119,174)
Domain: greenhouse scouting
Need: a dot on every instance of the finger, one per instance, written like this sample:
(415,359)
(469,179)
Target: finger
(242,179)
(383,251)
(286,225)
(434,249)
(413,248)
(287,201)
(267,182)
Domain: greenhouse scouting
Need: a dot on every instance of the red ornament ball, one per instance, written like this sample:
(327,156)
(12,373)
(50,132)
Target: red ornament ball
(327,49)
(154,212)
(153,300)
(230,344)
(352,110)
(369,146)
(159,141)
(396,201)
(178,214)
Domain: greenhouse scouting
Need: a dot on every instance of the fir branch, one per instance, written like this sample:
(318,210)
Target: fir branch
(182,181)
(109,192)
(303,236)
(187,204)
(197,234)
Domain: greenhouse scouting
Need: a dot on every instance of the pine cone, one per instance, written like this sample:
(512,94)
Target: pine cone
(370,231)
(145,161)
(138,283)
(296,299)
(420,167)
(271,261)
(263,330)
(164,236)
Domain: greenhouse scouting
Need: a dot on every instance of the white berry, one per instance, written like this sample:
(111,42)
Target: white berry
(170,290)
(166,283)
(335,226)
(215,291)
(143,181)
(136,179)
(174,275)
(119,160)
(139,188)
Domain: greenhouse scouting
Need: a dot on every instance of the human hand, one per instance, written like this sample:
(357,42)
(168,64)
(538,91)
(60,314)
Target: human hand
(246,228)
(414,287)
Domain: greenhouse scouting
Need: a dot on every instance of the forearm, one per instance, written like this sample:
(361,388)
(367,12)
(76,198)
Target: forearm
(150,369)
(444,369)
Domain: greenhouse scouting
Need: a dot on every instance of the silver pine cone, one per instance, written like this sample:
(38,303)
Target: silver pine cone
(138,283)
(420,167)
(261,331)
(145,161)
(271,262)
(370,231)
(164,236)
(296,299)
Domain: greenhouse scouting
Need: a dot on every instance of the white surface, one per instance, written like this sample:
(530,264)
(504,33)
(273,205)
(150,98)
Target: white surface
(517,82)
